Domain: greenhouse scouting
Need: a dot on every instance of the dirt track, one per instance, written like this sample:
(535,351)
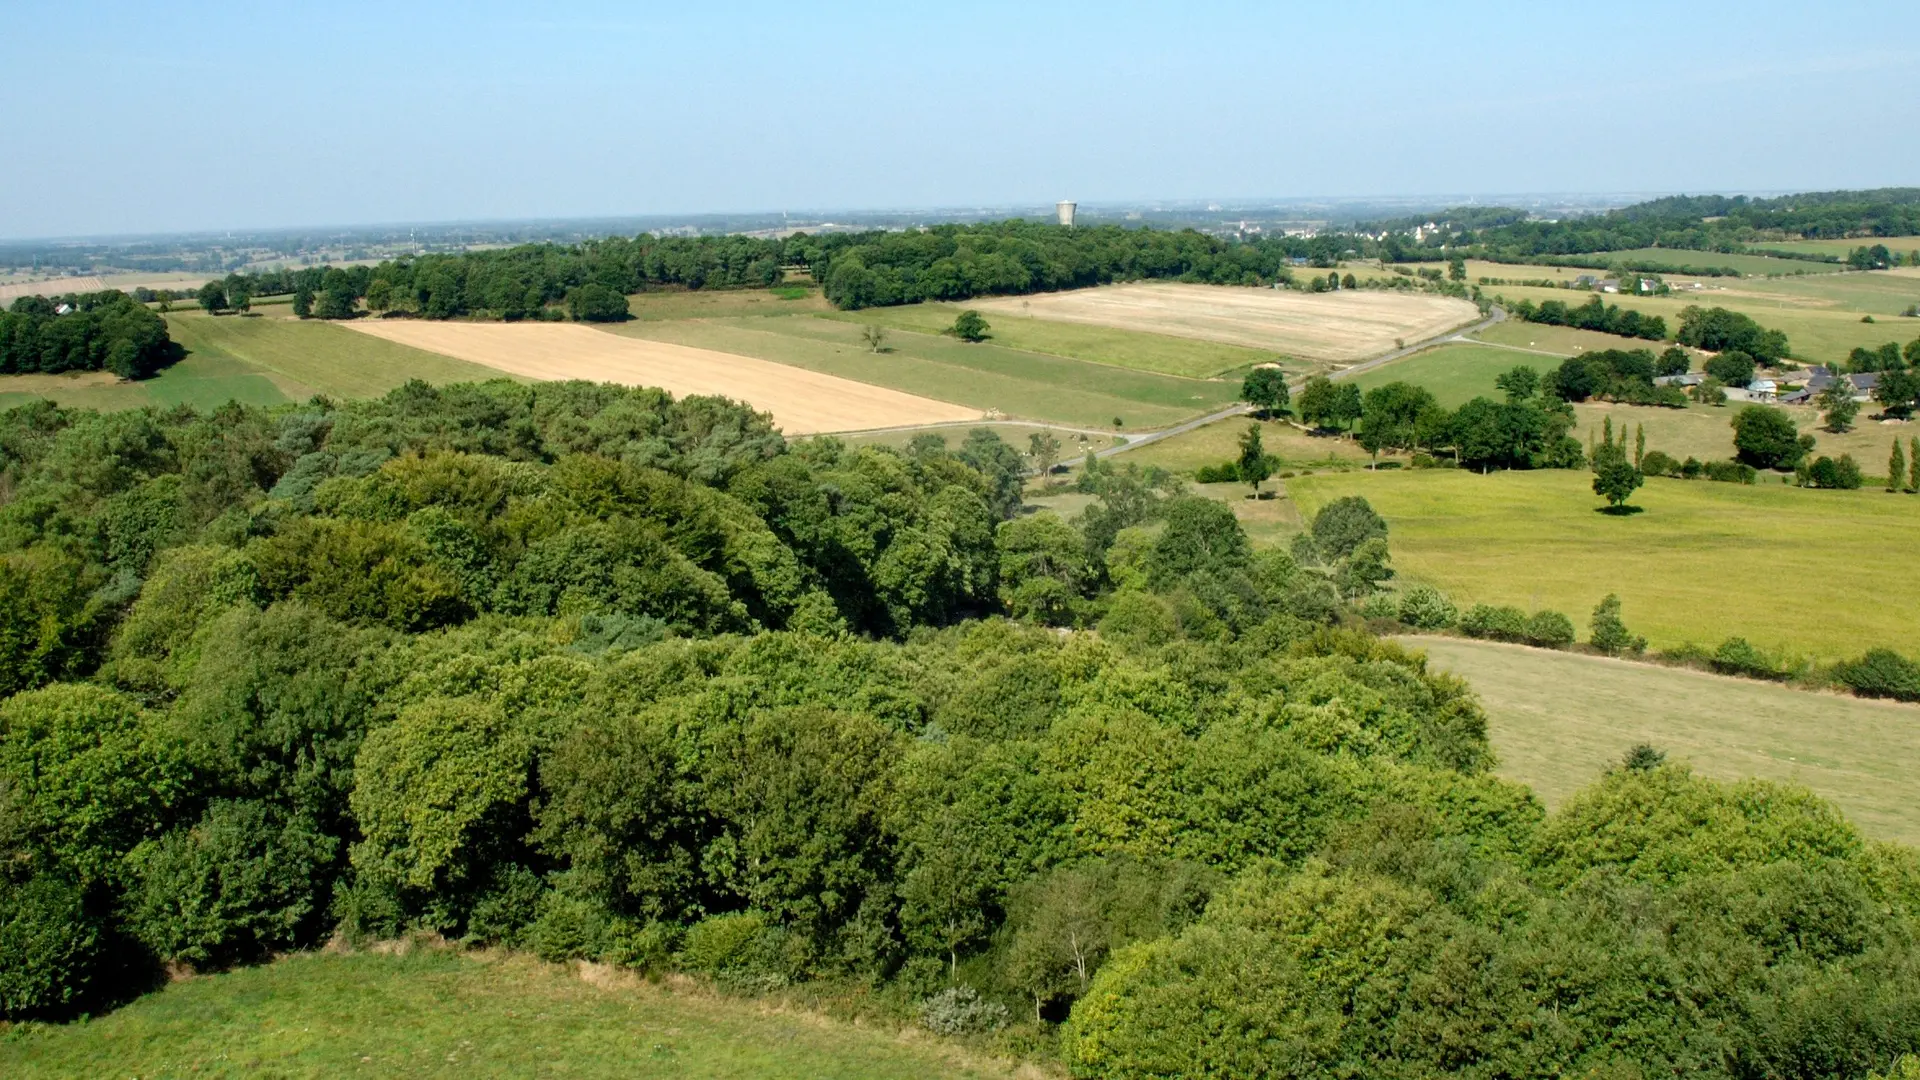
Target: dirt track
(1341,327)
(802,402)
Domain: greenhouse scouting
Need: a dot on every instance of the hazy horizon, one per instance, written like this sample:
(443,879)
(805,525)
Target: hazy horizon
(236,118)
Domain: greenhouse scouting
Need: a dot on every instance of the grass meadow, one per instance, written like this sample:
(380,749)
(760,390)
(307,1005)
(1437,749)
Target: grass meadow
(307,357)
(1817,334)
(435,1013)
(987,376)
(1840,247)
(1164,354)
(1790,569)
(725,303)
(1754,265)
(1557,719)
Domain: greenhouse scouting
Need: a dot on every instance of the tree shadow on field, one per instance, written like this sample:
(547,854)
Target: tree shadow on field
(1623,510)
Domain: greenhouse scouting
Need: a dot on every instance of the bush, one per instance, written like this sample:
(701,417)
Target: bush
(1344,524)
(1659,463)
(1841,475)
(1494,623)
(1226,472)
(1729,472)
(1737,656)
(594,302)
(1549,630)
(1881,673)
(738,948)
(1380,606)
(1423,461)
(49,946)
(1609,632)
(960,1010)
(1427,608)
(234,887)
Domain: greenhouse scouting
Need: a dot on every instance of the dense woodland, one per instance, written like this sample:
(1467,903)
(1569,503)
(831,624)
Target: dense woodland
(101,331)
(595,673)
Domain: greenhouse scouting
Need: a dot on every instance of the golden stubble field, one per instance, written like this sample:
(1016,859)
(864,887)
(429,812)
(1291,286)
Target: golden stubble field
(1338,327)
(802,402)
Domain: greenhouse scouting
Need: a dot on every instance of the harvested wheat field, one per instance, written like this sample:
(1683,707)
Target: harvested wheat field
(802,402)
(1339,327)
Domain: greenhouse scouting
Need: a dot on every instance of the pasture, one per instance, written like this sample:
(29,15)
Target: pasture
(435,1013)
(307,357)
(1014,327)
(1456,373)
(1839,247)
(802,402)
(1787,568)
(1747,265)
(986,377)
(1817,334)
(1340,327)
(725,303)
(1558,719)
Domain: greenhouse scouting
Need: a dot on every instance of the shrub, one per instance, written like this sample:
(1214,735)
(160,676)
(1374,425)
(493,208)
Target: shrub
(1226,472)
(1659,463)
(1549,630)
(1423,461)
(1737,656)
(1495,623)
(1609,632)
(1690,469)
(738,949)
(1427,608)
(1842,475)
(49,946)
(594,302)
(960,1010)
(1881,673)
(1344,524)
(1380,606)
(1729,472)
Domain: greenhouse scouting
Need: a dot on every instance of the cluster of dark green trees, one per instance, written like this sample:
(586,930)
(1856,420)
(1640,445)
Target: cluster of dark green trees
(100,331)
(1527,429)
(1623,375)
(1595,314)
(595,673)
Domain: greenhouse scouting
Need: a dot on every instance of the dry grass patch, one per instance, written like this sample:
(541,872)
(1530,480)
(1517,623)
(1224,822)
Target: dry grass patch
(802,402)
(1337,327)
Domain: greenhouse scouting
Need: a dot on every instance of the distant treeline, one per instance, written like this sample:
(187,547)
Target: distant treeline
(100,331)
(867,269)
(1714,223)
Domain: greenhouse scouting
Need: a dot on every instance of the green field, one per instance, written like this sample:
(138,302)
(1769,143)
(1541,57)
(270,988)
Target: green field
(987,376)
(1745,264)
(1840,247)
(437,1013)
(725,303)
(203,380)
(1819,334)
(1879,293)
(1163,353)
(1787,568)
(1564,340)
(1557,719)
(1455,374)
(306,357)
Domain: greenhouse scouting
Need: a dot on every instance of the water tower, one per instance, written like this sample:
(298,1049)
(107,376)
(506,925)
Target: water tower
(1065,208)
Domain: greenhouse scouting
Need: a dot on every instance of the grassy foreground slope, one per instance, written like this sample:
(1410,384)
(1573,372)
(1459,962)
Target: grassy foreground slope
(1557,719)
(436,1013)
(1783,567)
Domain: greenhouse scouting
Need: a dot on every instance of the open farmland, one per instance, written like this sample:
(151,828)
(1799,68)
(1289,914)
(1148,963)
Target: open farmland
(303,357)
(437,1013)
(1167,354)
(1704,561)
(1335,328)
(987,377)
(1839,247)
(1818,334)
(1558,719)
(802,402)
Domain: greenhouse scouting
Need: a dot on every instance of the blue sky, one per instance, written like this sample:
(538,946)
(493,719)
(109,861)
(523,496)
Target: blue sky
(160,117)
